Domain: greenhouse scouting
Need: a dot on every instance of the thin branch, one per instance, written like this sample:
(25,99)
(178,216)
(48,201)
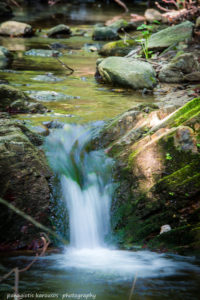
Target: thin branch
(122,4)
(133,287)
(162,8)
(55,55)
(65,66)
(32,220)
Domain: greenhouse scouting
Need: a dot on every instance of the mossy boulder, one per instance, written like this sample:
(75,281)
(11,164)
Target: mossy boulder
(15,101)
(13,28)
(127,72)
(117,48)
(158,159)
(25,183)
(171,36)
(59,31)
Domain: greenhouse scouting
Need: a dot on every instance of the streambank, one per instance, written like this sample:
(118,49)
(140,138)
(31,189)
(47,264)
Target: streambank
(158,157)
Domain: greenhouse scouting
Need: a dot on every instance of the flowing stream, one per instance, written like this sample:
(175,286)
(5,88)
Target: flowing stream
(91,265)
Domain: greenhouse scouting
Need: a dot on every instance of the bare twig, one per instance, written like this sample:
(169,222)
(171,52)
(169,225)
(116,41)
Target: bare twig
(15,3)
(53,2)
(122,4)
(65,66)
(55,55)
(133,287)
(17,271)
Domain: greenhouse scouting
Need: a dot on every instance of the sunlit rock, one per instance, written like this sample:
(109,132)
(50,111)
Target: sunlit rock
(127,72)
(13,28)
(165,228)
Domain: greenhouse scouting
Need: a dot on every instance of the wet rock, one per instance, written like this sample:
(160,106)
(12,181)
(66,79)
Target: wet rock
(182,68)
(41,130)
(13,28)
(55,124)
(56,46)
(5,11)
(5,57)
(127,72)
(91,47)
(103,33)
(171,36)
(59,31)
(49,77)
(48,96)
(117,48)
(15,101)
(24,182)
(43,53)
(152,15)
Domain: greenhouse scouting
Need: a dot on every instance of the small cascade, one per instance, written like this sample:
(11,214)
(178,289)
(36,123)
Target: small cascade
(86,184)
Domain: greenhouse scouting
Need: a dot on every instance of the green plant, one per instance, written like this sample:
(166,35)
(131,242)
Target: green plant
(168,156)
(146,33)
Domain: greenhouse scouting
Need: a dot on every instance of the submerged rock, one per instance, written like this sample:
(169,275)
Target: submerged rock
(127,72)
(48,96)
(13,28)
(171,36)
(103,33)
(58,31)
(49,77)
(43,53)
(185,67)
(24,182)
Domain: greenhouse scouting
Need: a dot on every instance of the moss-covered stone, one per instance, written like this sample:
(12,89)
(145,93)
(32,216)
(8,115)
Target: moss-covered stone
(159,178)
(24,182)
(15,101)
(126,72)
(117,48)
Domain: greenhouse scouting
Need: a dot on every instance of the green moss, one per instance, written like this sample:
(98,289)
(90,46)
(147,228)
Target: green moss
(118,48)
(185,113)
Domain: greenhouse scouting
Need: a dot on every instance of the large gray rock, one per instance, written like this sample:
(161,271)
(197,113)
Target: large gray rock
(5,57)
(58,31)
(127,72)
(103,33)
(183,68)
(13,28)
(171,36)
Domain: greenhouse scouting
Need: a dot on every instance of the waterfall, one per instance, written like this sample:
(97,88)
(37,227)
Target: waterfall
(86,184)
